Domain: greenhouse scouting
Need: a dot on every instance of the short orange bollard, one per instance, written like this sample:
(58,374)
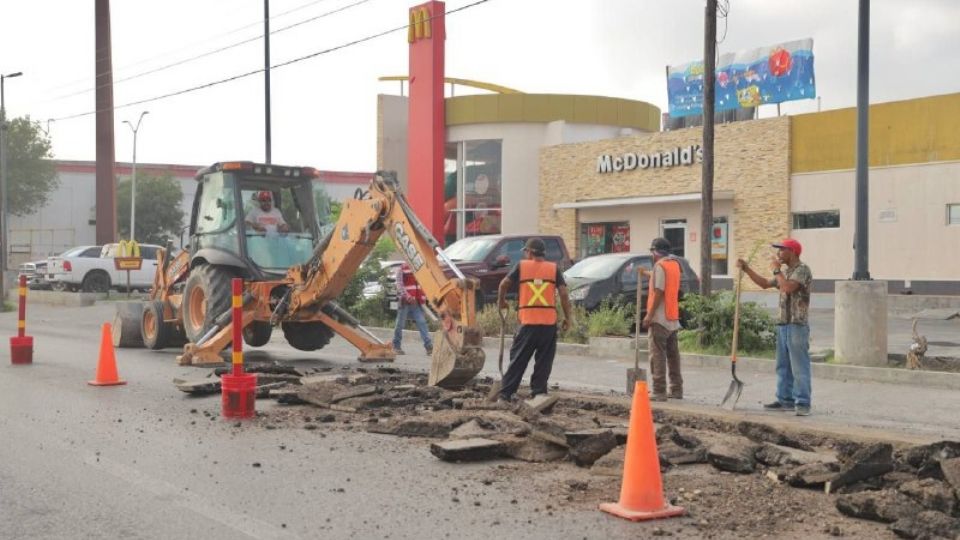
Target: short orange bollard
(641,494)
(239,389)
(21,345)
(107,363)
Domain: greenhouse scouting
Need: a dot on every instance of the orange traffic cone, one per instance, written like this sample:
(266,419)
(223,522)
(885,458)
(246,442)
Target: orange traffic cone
(641,495)
(107,365)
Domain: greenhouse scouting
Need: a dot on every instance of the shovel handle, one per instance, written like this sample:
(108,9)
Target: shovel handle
(736,319)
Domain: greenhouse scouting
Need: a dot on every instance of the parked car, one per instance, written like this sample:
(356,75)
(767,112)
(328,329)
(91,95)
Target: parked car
(98,274)
(373,288)
(489,259)
(36,271)
(613,277)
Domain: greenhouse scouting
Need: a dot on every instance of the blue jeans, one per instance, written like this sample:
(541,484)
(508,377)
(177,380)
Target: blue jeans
(793,364)
(415,311)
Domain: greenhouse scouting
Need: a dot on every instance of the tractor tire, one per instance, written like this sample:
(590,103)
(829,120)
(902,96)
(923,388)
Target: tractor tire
(206,295)
(96,281)
(156,333)
(307,336)
(257,333)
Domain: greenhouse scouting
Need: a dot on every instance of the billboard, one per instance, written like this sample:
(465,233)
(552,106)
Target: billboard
(773,74)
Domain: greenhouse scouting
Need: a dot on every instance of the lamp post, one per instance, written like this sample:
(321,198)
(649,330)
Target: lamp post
(3,184)
(133,176)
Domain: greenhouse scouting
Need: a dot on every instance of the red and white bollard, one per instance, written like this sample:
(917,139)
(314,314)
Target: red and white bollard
(238,390)
(21,345)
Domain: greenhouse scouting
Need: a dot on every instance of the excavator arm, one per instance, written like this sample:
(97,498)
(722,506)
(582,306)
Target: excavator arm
(457,353)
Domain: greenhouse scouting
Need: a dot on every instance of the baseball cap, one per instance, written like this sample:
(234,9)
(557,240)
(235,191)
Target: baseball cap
(791,244)
(264,196)
(536,246)
(661,245)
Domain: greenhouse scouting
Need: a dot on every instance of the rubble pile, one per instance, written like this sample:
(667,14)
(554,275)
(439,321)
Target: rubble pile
(915,490)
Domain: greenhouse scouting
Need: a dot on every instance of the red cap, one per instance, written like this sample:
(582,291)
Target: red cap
(791,244)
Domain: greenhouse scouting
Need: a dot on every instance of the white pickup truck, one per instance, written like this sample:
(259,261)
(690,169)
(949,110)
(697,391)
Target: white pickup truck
(98,274)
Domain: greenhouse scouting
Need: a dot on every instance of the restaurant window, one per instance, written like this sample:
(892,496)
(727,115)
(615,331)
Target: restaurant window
(472,189)
(597,238)
(953,214)
(828,219)
(720,246)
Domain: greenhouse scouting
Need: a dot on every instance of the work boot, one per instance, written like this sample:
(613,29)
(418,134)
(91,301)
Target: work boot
(777,406)
(398,351)
(675,394)
(658,397)
(803,410)
(429,349)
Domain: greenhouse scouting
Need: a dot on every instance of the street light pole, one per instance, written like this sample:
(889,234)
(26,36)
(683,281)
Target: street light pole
(133,175)
(266,77)
(3,185)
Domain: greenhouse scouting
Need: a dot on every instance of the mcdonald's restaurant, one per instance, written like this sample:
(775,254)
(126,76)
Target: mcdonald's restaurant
(776,177)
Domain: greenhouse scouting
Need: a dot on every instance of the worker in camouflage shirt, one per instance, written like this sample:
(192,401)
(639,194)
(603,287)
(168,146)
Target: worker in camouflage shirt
(793,279)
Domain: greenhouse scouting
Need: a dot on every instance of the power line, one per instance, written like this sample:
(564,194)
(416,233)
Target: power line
(186,47)
(206,54)
(256,71)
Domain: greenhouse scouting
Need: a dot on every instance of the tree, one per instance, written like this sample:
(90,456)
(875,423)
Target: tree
(31,172)
(159,213)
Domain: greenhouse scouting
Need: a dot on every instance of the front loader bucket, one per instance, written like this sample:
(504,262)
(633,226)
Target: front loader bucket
(451,368)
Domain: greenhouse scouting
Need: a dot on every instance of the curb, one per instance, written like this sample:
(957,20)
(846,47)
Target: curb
(821,370)
(63,298)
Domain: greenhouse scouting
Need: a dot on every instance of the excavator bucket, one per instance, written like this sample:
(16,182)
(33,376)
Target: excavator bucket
(452,365)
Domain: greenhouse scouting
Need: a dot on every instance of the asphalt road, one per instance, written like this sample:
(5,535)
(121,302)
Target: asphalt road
(133,461)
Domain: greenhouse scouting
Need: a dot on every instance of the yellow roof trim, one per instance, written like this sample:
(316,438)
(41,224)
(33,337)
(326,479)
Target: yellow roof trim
(543,108)
(463,82)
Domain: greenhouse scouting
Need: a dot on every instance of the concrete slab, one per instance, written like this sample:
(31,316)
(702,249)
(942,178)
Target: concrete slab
(885,506)
(468,450)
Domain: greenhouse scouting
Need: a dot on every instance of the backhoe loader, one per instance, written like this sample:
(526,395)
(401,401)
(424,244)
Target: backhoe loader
(294,270)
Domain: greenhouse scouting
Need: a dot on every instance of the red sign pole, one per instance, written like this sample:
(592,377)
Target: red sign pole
(21,345)
(238,388)
(237,326)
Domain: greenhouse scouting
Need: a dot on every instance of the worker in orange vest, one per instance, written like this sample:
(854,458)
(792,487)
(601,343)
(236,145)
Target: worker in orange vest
(662,320)
(538,281)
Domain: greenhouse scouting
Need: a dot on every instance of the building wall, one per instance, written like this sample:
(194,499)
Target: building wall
(521,145)
(910,240)
(752,159)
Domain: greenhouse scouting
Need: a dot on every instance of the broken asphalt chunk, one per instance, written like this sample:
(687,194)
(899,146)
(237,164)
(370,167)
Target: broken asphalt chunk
(468,450)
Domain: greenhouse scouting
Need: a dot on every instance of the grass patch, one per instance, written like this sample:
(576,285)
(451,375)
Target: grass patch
(689,341)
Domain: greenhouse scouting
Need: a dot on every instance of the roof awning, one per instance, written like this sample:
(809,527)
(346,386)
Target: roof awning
(654,199)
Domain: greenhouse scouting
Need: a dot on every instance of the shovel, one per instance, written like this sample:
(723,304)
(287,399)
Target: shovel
(736,385)
(636,373)
(495,388)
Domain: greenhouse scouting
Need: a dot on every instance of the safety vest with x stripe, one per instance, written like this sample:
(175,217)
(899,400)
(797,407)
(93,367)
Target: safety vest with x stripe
(538,292)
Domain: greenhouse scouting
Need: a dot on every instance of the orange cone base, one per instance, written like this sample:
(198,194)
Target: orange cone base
(110,383)
(667,511)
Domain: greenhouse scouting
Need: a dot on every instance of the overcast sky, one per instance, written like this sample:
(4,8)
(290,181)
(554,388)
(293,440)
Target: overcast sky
(324,108)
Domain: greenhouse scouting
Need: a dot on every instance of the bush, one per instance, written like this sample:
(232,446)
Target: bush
(578,332)
(710,325)
(370,312)
(609,320)
(489,320)
(369,271)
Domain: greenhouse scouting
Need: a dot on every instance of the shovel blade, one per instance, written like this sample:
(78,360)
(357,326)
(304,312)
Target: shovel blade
(733,395)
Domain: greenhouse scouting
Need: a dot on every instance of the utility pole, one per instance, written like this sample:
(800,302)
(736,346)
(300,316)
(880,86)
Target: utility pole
(266,75)
(861,236)
(133,177)
(106,198)
(706,194)
(3,186)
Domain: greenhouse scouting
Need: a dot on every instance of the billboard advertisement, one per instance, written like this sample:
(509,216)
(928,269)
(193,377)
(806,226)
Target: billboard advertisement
(750,78)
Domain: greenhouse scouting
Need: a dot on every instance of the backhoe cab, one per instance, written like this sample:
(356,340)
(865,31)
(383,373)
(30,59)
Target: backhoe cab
(261,223)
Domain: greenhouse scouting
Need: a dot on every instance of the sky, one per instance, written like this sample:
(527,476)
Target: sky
(324,107)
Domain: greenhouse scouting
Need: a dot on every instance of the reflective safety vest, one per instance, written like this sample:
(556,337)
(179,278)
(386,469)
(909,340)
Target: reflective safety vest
(538,292)
(671,286)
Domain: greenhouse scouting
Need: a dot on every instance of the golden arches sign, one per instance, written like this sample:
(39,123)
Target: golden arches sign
(419,26)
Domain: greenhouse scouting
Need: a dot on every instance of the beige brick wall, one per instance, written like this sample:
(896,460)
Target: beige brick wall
(752,159)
